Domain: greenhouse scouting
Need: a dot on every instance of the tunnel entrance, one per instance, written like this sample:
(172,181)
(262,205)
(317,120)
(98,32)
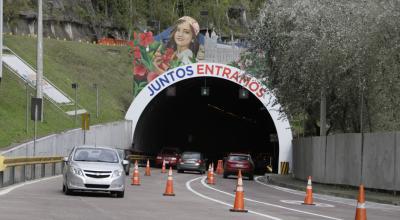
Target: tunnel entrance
(216,123)
(170,111)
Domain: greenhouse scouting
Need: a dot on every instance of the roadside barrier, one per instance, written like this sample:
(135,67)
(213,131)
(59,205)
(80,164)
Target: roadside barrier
(284,168)
(308,200)
(169,189)
(135,175)
(20,169)
(220,167)
(112,42)
(210,177)
(238,206)
(147,172)
(361,211)
(140,158)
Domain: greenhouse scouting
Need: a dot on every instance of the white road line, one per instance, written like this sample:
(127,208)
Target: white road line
(340,200)
(11,188)
(270,204)
(223,203)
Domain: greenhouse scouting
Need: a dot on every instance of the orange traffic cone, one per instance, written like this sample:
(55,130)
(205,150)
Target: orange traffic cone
(147,173)
(361,211)
(209,172)
(163,167)
(220,169)
(169,189)
(211,179)
(238,206)
(308,200)
(135,175)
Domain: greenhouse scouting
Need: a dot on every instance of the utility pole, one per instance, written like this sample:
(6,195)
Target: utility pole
(322,130)
(39,61)
(1,40)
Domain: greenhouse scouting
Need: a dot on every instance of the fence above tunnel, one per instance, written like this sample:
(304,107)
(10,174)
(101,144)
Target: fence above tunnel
(350,159)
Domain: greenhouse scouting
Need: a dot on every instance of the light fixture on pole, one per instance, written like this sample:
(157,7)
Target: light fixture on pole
(75,87)
(171,91)
(243,93)
(205,90)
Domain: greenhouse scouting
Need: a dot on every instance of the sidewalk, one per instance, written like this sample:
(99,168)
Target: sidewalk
(334,190)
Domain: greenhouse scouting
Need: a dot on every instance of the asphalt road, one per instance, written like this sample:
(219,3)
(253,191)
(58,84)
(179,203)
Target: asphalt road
(194,200)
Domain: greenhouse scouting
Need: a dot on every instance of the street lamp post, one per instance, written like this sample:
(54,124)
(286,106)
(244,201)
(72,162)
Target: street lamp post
(1,39)
(75,87)
(97,99)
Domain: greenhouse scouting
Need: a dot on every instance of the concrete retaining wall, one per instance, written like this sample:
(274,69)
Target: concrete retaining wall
(337,159)
(116,134)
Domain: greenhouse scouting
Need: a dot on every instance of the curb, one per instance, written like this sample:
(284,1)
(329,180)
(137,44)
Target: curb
(325,192)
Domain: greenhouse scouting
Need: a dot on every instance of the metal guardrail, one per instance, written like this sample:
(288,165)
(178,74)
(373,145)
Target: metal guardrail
(20,169)
(141,159)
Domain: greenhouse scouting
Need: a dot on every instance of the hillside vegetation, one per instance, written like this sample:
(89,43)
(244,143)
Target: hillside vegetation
(65,62)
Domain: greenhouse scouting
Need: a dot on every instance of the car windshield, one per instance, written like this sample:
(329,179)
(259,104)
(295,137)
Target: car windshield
(238,157)
(191,155)
(96,155)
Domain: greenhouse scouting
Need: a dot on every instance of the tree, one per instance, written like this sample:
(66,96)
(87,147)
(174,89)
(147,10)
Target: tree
(341,46)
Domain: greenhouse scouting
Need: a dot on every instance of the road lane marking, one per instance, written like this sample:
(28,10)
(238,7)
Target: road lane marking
(299,202)
(270,204)
(221,202)
(340,200)
(11,188)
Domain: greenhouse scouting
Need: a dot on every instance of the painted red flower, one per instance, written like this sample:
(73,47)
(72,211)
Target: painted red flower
(168,55)
(136,52)
(151,76)
(146,38)
(130,43)
(139,72)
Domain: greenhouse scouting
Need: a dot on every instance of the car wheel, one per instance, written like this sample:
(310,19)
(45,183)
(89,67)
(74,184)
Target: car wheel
(66,190)
(251,177)
(225,175)
(180,171)
(120,194)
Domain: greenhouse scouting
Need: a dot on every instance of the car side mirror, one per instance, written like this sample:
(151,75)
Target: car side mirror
(125,162)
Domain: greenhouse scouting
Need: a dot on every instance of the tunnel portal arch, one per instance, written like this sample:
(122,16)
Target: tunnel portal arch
(225,72)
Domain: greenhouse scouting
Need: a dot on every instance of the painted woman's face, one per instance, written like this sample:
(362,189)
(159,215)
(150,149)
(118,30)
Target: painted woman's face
(183,35)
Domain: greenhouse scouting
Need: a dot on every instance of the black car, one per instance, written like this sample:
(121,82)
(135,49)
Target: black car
(191,161)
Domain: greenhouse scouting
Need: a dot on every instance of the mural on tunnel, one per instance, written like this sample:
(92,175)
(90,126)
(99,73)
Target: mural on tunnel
(159,62)
(152,57)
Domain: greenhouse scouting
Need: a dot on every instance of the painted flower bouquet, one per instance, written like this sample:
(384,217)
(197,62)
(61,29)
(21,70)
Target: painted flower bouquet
(150,59)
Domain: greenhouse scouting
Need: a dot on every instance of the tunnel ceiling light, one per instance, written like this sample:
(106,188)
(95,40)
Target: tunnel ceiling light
(205,91)
(171,91)
(243,93)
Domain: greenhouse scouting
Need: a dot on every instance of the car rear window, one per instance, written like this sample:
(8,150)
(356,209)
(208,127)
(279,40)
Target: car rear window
(238,157)
(191,155)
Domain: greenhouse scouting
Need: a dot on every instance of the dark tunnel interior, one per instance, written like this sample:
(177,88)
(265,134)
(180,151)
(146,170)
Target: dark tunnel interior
(215,124)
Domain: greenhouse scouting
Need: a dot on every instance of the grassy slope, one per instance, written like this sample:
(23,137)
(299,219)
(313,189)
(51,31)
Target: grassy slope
(66,62)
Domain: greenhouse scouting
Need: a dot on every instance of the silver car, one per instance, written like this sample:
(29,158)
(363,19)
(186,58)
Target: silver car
(91,168)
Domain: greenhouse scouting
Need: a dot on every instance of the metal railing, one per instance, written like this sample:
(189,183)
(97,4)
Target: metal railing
(20,169)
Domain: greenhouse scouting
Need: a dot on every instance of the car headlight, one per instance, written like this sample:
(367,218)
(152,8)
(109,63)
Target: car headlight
(117,173)
(76,171)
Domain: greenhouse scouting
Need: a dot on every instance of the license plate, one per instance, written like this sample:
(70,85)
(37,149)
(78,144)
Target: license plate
(239,165)
(166,162)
